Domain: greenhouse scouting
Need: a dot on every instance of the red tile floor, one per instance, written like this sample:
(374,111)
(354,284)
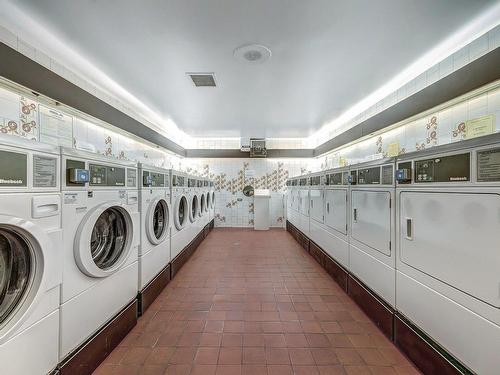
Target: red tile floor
(254,303)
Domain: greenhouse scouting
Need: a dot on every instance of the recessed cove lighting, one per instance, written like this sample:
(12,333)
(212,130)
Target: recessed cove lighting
(252,53)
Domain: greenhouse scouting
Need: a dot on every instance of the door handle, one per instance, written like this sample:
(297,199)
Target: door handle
(409,229)
(355,215)
(312,205)
(328,207)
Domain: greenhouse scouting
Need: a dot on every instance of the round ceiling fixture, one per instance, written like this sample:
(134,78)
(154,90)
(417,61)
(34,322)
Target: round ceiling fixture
(252,53)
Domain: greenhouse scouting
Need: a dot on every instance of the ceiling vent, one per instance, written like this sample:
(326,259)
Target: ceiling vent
(258,148)
(202,79)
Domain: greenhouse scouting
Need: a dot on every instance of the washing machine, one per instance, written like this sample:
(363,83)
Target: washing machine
(448,258)
(211,200)
(303,205)
(156,219)
(329,215)
(372,227)
(100,221)
(202,206)
(30,256)
(194,207)
(205,204)
(180,236)
(316,205)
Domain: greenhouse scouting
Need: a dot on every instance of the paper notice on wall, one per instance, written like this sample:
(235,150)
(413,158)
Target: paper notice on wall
(479,126)
(55,127)
(393,149)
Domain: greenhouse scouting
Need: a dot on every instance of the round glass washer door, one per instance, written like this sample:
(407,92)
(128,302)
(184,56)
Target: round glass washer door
(193,212)
(17,264)
(212,201)
(157,221)
(180,212)
(207,199)
(203,206)
(108,230)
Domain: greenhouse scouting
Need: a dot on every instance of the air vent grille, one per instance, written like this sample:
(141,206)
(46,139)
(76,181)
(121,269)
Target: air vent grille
(202,79)
(258,148)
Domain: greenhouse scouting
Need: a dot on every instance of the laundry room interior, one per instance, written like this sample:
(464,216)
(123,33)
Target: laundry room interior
(236,187)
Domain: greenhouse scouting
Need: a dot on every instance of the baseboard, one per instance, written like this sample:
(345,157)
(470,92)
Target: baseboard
(377,309)
(89,356)
(426,354)
(188,251)
(153,289)
(335,270)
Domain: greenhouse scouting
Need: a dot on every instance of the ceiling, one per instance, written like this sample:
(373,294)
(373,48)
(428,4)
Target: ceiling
(327,55)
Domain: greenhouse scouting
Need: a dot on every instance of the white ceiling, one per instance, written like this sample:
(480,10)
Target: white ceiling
(327,55)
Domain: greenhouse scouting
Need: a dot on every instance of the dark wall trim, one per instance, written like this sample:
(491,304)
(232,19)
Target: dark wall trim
(26,72)
(232,153)
(480,72)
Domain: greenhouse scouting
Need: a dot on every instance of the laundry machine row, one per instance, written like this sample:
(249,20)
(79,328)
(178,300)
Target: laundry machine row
(192,221)
(414,241)
(83,238)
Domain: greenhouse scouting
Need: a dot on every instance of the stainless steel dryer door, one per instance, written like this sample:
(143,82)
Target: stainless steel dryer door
(455,238)
(336,209)
(371,219)
(316,205)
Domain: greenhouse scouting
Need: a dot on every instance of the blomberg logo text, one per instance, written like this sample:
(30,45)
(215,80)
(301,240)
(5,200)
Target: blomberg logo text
(458,178)
(8,181)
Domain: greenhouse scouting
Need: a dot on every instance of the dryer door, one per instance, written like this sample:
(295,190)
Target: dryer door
(158,221)
(336,209)
(180,212)
(103,240)
(371,219)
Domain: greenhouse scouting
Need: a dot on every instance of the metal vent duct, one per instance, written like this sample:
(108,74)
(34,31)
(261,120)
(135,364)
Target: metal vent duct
(203,79)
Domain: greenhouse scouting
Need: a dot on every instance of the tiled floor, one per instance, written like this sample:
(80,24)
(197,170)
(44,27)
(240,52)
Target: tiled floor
(254,303)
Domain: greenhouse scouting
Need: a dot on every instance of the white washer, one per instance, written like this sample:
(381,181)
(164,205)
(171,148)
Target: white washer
(372,227)
(448,258)
(293,202)
(156,218)
(194,207)
(205,203)
(100,243)
(180,236)
(211,200)
(30,256)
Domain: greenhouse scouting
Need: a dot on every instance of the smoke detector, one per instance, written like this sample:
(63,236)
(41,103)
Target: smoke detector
(252,53)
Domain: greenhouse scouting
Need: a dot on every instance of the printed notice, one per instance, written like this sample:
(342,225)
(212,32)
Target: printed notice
(393,149)
(55,127)
(488,165)
(479,126)
(44,171)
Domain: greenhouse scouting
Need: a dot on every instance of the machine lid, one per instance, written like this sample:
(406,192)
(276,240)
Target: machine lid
(16,272)
(103,240)
(158,221)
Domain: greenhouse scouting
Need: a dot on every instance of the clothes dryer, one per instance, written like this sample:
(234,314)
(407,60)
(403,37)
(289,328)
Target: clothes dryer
(30,256)
(448,259)
(101,221)
(372,227)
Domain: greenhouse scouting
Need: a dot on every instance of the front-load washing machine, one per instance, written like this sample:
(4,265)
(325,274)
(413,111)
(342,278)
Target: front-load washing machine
(303,205)
(194,207)
(211,200)
(205,204)
(156,218)
(448,258)
(180,236)
(372,227)
(30,256)
(100,221)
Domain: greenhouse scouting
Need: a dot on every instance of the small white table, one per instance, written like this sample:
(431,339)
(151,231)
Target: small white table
(261,209)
